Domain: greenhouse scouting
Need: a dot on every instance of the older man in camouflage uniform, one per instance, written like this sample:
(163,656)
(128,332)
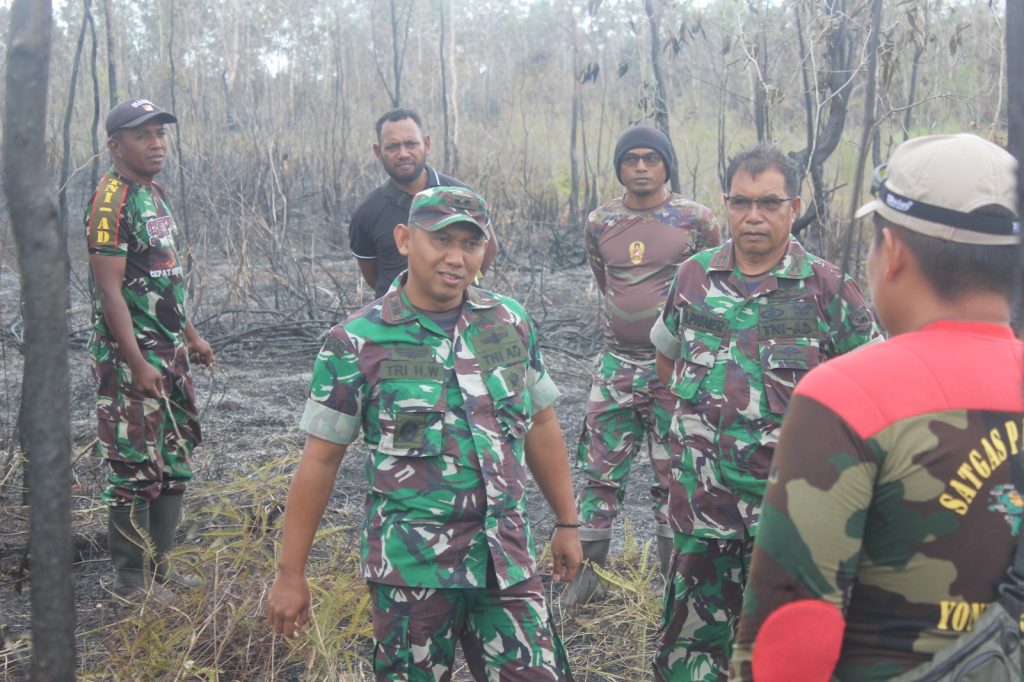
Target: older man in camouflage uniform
(141,344)
(447,384)
(741,326)
(891,514)
(634,243)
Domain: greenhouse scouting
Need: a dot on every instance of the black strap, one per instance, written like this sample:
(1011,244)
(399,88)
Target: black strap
(972,222)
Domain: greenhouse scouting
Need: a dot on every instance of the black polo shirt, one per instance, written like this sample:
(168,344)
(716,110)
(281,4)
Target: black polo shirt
(371,230)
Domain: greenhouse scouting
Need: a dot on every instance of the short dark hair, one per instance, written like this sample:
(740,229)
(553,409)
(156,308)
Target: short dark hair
(760,158)
(953,269)
(393,115)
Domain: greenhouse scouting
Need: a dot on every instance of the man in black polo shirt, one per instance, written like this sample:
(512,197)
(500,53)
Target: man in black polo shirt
(402,149)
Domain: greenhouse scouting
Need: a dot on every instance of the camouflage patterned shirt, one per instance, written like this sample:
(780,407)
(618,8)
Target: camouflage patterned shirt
(892,495)
(738,355)
(639,252)
(137,225)
(445,419)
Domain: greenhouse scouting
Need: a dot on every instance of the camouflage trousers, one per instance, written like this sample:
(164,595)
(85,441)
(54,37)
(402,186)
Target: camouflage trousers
(146,441)
(702,608)
(506,634)
(628,408)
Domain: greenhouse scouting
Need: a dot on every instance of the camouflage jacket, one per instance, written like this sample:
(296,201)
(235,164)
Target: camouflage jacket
(892,497)
(445,421)
(737,359)
(639,252)
(137,225)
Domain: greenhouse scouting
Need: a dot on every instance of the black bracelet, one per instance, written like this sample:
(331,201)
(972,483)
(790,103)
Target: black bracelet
(568,525)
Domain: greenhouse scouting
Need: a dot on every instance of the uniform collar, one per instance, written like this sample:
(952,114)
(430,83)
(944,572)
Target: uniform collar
(795,263)
(395,307)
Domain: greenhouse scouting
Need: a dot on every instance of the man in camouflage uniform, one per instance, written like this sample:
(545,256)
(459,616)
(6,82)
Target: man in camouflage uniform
(141,344)
(890,515)
(447,384)
(634,244)
(741,326)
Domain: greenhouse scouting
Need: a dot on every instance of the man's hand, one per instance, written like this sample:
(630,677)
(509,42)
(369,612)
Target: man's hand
(147,379)
(201,352)
(288,604)
(566,554)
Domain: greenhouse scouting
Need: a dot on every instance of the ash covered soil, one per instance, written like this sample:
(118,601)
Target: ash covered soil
(250,409)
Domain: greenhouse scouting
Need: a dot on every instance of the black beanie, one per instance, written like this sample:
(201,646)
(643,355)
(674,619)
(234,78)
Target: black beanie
(644,136)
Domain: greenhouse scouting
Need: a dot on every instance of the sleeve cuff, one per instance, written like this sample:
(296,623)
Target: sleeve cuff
(361,257)
(543,394)
(667,344)
(322,422)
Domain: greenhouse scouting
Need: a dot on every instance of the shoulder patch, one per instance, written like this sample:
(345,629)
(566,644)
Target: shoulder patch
(1006,500)
(106,211)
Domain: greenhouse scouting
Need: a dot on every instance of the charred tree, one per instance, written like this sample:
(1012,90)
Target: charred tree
(660,96)
(45,409)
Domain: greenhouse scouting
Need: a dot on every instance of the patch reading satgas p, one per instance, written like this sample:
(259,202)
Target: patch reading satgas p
(415,363)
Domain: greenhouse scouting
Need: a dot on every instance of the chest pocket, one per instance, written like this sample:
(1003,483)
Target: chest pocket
(789,346)
(412,404)
(504,361)
(701,336)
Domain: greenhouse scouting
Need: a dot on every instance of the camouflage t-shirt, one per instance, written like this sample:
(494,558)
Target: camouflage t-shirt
(445,419)
(137,225)
(737,358)
(891,495)
(639,252)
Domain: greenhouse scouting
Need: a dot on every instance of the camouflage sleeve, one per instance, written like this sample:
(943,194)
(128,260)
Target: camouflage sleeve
(539,383)
(706,233)
(590,230)
(336,392)
(812,523)
(109,247)
(664,333)
(852,323)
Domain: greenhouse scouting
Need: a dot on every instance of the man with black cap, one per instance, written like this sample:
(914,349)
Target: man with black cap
(891,511)
(742,324)
(634,243)
(141,344)
(446,383)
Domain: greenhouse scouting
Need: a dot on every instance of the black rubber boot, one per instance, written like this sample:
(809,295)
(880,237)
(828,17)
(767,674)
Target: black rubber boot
(586,586)
(164,517)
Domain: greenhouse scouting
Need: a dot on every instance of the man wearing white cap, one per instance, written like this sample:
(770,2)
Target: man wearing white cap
(891,511)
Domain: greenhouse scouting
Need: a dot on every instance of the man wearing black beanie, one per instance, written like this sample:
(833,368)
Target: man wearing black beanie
(635,243)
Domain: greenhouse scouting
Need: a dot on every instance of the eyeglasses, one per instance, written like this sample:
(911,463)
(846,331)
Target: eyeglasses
(649,159)
(741,204)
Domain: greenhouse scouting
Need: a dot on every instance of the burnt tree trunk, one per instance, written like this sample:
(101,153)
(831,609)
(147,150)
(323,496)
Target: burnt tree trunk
(1015,110)
(44,287)
(660,96)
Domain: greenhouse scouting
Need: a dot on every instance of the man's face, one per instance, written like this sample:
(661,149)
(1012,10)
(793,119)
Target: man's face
(140,152)
(881,297)
(760,229)
(402,150)
(442,264)
(643,171)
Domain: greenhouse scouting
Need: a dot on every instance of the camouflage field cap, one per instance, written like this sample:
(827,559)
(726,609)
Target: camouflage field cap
(134,112)
(935,185)
(437,207)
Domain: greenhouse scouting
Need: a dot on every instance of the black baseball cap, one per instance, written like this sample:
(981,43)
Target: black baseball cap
(134,112)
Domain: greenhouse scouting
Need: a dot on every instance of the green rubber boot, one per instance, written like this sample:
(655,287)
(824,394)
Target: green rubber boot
(586,586)
(164,517)
(127,537)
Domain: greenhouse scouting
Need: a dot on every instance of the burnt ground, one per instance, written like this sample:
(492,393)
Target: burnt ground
(249,413)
